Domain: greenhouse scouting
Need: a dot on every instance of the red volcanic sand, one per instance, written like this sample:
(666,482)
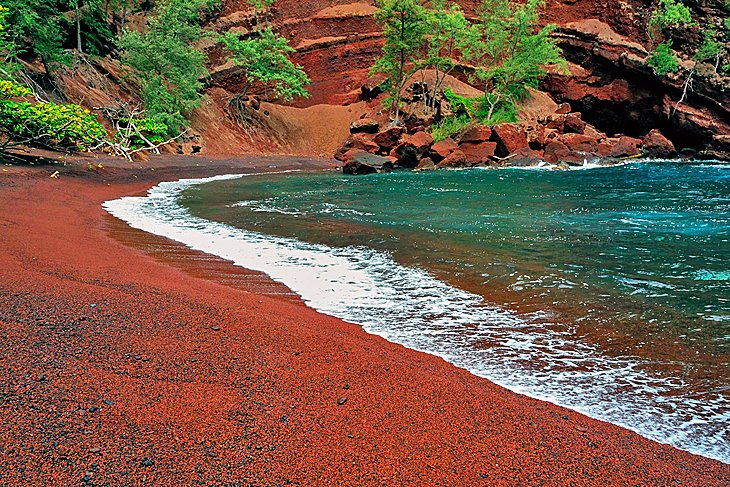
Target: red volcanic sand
(118,369)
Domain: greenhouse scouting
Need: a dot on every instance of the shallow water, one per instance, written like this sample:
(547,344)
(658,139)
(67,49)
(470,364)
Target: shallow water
(605,290)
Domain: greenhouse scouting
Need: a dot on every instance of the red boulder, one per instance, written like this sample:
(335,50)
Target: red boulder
(479,152)
(656,145)
(626,147)
(455,159)
(510,138)
(475,133)
(441,150)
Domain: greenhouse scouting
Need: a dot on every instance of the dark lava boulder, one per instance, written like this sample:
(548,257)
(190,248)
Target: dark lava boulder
(364,125)
(361,162)
(524,157)
(412,149)
(373,86)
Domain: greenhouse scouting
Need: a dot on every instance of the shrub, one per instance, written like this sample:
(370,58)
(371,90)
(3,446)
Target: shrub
(663,59)
(50,125)
(449,126)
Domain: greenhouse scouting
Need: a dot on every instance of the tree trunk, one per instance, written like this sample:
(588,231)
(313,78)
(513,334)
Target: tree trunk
(78,27)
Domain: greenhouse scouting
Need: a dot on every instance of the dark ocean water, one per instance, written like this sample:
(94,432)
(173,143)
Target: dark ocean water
(606,290)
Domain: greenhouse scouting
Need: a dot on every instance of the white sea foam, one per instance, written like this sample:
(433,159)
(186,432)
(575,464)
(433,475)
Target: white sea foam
(409,306)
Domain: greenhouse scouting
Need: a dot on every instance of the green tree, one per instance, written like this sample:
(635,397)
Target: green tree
(511,54)
(449,35)
(34,27)
(264,59)
(166,63)
(91,25)
(405,25)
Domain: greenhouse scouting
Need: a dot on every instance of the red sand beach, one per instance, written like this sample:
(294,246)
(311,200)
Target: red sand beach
(120,368)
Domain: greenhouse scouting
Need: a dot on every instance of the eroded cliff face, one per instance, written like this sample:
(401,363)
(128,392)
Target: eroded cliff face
(605,41)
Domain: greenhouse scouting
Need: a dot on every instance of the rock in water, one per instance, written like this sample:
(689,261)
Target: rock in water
(626,147)
(656,145)
(361,162)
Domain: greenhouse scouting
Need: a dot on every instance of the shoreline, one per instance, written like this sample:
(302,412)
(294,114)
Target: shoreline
(234,386)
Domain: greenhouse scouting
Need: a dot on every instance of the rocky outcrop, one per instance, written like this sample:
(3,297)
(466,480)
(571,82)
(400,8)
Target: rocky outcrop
(612,87)
(558,139)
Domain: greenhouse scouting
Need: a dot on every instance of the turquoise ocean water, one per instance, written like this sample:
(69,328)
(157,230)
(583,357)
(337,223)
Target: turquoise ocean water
(605,290)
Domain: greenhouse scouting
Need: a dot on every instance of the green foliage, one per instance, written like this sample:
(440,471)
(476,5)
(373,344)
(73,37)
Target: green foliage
(264,59)
(405,25)
(449,34)
(710,49)
(165,62)
(449,126)
(460,104)
(10,89)
(50,125)
(511,53)
(671,13)
(7,49)
(146,128)
(35,27)
(90,25)
(663,60)
(489,109)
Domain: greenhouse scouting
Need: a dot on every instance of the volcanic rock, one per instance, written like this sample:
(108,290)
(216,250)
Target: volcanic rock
(442,149)
(656,145)
(626,147)
(426,164)
(360,162)
(557,151)
(479,152)
(579,142)
(475,133)
(364,125)
(372,86)
(525,157)
(574,124)
(388,138)
(563,109)
(356,141)
(412,149)
(455,159)
(510,138)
